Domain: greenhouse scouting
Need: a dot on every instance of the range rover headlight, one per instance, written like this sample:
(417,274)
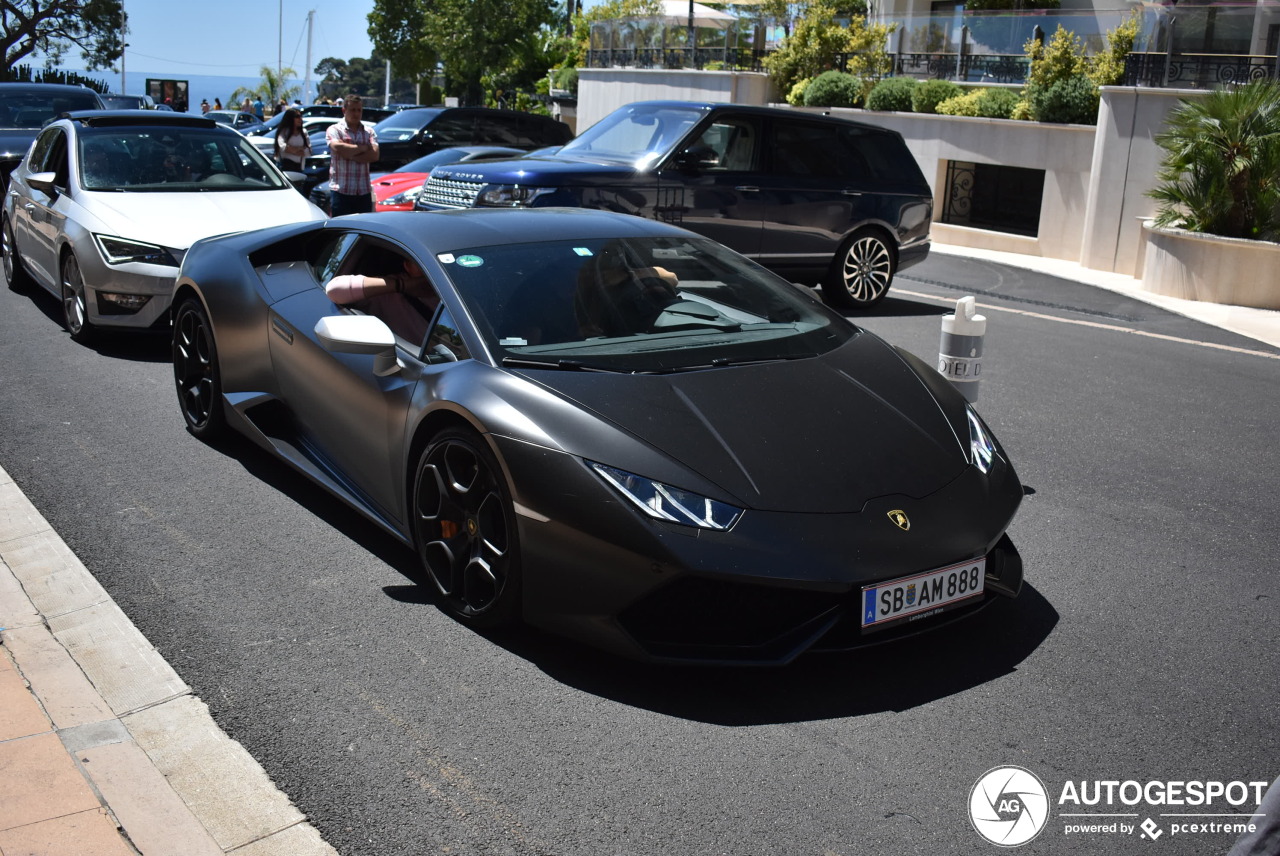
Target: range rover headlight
(510,195)
(118,251)
(664,502)
(982,448)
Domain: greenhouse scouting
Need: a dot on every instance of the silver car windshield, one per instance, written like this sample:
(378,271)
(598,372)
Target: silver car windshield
(637,134)
(172,160)
(636,305)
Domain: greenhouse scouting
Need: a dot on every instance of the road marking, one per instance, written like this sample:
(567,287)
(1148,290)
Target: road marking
(1113,327)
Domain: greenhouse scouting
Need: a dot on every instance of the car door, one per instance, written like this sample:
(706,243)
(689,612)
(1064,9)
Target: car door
(710,184)
(818,187)
(40,215)
(351,420)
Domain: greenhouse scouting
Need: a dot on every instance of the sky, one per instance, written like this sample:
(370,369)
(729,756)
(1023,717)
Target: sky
(235,38)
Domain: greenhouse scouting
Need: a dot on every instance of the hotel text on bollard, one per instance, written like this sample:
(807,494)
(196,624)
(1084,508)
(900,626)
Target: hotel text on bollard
(960,351)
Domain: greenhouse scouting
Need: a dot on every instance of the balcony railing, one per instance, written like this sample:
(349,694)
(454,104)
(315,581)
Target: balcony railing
(1195,71)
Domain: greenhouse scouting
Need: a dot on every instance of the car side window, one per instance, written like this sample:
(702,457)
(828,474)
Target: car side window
(445,344)
(728,145)
(818,150)
(495,131)
(452,130)
(40,149)
(329,261)
(56,161)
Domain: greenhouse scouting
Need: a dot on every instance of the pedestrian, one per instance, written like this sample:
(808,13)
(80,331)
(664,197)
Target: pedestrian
(204,105)
(217,103)
(353,148)
(246,106)
(292,144)
(258,107)
(282,106)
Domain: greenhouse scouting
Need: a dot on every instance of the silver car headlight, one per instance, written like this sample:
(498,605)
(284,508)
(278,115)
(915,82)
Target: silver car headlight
(664,502)
(511,195)
(982,449)
(118,251)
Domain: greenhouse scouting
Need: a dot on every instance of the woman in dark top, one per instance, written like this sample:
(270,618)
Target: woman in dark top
(292,144)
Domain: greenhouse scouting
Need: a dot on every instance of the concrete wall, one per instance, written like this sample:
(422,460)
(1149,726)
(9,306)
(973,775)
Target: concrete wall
(1096,178)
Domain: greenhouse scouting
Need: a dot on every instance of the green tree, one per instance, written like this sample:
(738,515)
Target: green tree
(1220,172)
(52,27)
(495,37)
(819,37)
(273,87)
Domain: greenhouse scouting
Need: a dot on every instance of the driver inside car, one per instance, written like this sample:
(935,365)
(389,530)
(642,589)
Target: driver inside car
(406,301)
(619,295)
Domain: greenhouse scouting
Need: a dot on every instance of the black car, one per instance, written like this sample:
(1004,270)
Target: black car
(25,108)
(604,426)
(410,134)
(812,197)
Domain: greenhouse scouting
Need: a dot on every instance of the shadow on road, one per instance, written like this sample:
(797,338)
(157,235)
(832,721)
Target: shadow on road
(143,346)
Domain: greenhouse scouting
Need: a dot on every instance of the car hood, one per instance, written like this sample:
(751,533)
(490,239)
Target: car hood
(550,171)
(178,220)
(14,142)
(842,429)
(392,183)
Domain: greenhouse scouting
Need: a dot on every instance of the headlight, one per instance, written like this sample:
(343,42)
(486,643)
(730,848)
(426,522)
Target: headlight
(982,449)
(118,251)
(511,195)
(663,502)
(405,198)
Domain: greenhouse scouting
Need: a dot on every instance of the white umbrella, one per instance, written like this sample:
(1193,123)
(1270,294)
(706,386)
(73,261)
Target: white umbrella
(677,12)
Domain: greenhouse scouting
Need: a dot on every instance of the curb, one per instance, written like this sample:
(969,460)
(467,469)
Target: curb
(161,769)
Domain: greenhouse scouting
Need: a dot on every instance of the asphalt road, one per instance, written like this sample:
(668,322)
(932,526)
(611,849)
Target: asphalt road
(1144,645)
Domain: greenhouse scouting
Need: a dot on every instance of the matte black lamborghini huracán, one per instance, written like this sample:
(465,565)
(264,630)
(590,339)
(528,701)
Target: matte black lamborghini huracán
(605,426)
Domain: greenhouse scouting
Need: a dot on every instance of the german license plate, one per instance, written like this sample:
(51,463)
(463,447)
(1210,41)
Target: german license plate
(916,597)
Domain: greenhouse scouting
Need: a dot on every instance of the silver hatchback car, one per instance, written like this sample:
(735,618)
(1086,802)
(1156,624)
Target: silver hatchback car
(105,204)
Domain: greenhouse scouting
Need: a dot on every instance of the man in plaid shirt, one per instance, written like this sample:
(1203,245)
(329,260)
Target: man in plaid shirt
(352,148)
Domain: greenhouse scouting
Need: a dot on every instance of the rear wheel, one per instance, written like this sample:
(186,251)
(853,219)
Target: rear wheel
(464,529)
(75,311)
(15,275)
(195,371)
(862,274)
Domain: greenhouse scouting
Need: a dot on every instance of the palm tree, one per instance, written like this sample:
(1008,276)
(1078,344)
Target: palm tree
(272,88)
(1221,168)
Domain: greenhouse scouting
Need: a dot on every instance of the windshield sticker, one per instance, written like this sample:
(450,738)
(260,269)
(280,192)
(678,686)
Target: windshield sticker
(512,342)
(445,258)
(582,251)
(470,261)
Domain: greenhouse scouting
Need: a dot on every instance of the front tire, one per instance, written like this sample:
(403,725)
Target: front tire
(465,530)
(15,275)
(196,373)
(860,278)
(75,302)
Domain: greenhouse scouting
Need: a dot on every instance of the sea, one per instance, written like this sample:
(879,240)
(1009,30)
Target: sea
(199,86)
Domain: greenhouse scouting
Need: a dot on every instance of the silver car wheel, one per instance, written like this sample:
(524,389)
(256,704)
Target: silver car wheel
(75,314)
(14,275)
(865,272)
(465,530)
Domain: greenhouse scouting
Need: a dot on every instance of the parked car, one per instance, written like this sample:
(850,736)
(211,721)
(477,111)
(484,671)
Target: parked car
(567,440)
(243,122)
(106,203)
(813,197)
(396,190)
(369,114)
(112,101)
(25,108)
(410,134)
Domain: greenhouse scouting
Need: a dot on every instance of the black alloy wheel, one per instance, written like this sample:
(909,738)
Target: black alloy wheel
(75,311)
(465,530)
(195,371)
(860,279)
(15,275)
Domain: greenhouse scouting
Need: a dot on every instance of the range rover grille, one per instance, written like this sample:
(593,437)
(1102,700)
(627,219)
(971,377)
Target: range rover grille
(450,192)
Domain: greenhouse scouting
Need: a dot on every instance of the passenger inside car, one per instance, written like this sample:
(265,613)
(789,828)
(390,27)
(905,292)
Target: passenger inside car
(404,299)
(619,295)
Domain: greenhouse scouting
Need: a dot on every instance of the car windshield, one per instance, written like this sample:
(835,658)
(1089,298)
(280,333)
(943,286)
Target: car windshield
(161,159)
(637,134)
(402,126)
(32,109)
(636,305)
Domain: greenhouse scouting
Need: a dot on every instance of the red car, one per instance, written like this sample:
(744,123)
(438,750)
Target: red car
(395,191)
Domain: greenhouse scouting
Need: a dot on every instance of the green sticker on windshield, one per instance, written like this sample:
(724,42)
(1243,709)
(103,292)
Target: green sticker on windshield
(470,261)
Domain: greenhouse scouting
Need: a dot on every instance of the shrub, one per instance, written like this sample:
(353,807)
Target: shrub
(959,105)
(1107,68)
(997,103)
(926,96)
(796,96)
(1220,172)
(892,94)
(565,78)
(1071,101)
(833,89)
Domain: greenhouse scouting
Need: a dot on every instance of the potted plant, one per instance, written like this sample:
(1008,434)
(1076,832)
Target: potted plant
(1218,199)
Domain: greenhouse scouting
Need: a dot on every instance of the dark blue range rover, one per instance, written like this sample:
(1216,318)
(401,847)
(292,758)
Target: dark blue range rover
(813,197)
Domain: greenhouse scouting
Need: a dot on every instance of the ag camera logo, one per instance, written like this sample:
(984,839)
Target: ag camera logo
(1009,806)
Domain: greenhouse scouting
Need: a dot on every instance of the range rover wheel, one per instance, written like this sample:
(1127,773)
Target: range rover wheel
(861,275)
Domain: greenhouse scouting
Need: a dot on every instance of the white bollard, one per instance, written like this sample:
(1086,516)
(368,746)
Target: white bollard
(960,351)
